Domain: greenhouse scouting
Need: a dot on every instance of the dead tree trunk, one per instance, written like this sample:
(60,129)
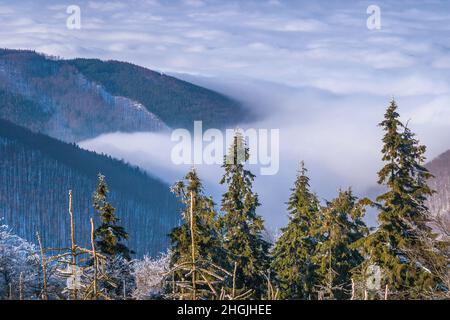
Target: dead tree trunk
(73,247)
(94,254)
(21,286)
(194,280)
(44,268)
(353,290)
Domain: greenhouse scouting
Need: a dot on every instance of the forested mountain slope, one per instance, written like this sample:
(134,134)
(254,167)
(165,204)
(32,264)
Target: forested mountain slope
(439,203)
(52,97)
(178,103)
(36,173)
(74,100)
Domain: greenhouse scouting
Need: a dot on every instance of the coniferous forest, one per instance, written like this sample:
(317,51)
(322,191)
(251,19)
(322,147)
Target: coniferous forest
(219,249)
(37,173)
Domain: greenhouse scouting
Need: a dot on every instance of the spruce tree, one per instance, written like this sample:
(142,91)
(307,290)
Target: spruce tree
(242,227)
(342,226)
(109,235)
(403,213)
(204,246)
(207,238)
(293,265)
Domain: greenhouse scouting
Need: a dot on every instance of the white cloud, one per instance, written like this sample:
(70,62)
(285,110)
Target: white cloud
(295,25)
(4,10)
(307,25)
(194,3)
(442,62)
(434,112)
(196,49)
(106,5)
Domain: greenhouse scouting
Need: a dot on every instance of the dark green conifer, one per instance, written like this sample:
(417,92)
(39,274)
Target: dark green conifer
(342,226)
(198,243)
(207,236)
(242,227)
(109,235)
(293,264)
(403,213)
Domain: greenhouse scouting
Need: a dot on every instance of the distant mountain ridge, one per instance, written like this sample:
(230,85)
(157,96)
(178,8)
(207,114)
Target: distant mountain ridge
(439,203)
(176,102)
(74,100)
(36,173)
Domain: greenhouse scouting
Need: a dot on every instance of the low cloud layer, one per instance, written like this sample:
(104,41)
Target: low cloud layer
(337,136)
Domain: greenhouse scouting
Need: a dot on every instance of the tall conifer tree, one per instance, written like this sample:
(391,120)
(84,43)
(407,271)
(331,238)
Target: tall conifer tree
(207,238)
(402,210)
(109,241)
(242,227)
(342,226)
(109,235)
(199,242)
(293,253)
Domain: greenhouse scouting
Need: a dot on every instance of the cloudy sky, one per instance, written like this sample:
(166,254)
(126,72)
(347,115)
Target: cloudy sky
(313,69)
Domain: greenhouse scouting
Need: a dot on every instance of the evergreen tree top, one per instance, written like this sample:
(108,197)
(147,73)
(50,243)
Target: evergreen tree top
(109,235)
(239,198)
(191,185)
(302,201)
(238,152)
(241,225)
(101,205)
(294,250)
(403,213)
